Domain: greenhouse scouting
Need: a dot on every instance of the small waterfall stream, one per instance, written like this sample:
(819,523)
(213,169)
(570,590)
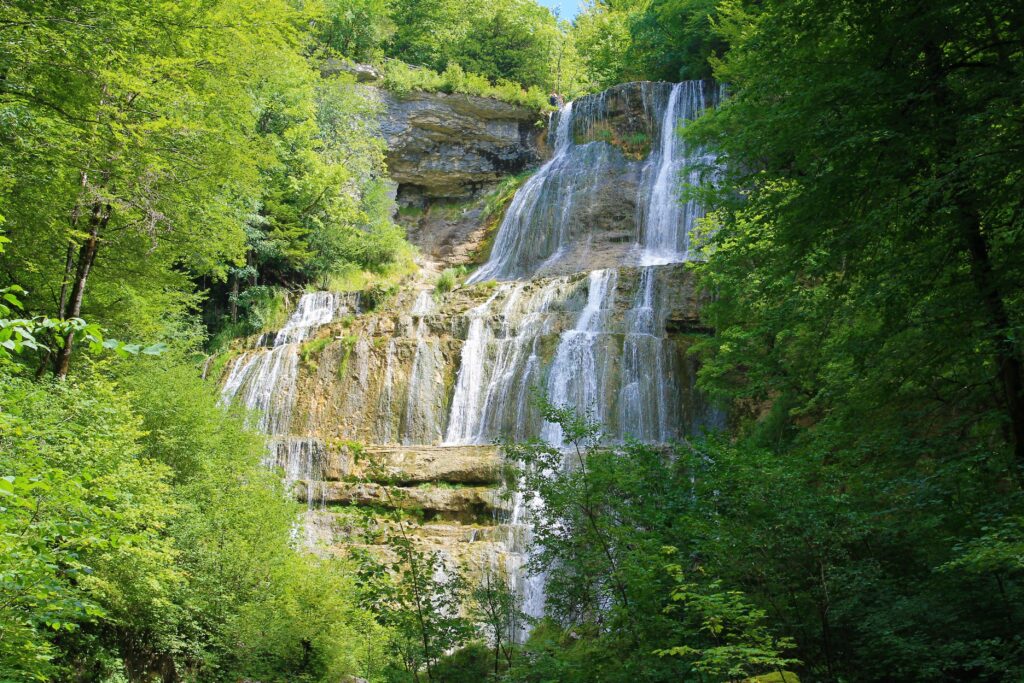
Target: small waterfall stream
(264,381)
(578,371)
(666,221)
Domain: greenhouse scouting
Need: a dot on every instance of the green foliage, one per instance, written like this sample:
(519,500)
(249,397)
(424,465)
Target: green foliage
(669,40)
(470,664)
(314,347)
(140,533)
(867,278)
(402,79)
(606,519)
(41,336)
(741,640)
(356,29)
(497,201)
(80,522)
(449,278)
(512,41)
(498,607)
(419,600)
(348,342)
(514,51)
(214,151)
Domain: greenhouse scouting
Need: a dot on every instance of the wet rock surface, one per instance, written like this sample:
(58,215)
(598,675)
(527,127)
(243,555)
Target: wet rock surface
(393,407)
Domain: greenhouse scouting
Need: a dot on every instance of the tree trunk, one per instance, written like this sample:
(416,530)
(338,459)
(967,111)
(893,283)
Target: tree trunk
(86,257)
(69,266)
(62,302)
(234,299)
(1010,368)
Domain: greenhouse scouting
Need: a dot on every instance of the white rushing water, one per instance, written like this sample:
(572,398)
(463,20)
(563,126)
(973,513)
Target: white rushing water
(578,371)
(422,421)
(539,221)
(646,395)
(666,221)
(549,214)
(501,363)
(303,460)
(264,379)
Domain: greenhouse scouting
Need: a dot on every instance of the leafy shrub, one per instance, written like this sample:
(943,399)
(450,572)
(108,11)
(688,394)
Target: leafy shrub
(449,278)
(314,347)
(401,79)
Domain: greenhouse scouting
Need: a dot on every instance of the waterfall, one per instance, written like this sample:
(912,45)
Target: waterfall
(614,363)
(552,213)
(386,406)
(264,380)
(577,372)
(421,422)
(578,319)
(500,363)
(645,394)
(303,461)
(665,221)
(538,223)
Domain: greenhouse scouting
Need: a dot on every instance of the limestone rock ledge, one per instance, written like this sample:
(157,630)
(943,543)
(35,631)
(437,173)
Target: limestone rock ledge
(459,501)
(407,465)
(442,145)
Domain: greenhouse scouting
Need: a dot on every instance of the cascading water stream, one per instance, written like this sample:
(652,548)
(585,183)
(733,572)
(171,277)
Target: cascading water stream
(421,422)
(500,363)
(303,461)
(577,372)
(537,225)
(645,394)
(613,365)
(666,222)
(551,213)
(264,380)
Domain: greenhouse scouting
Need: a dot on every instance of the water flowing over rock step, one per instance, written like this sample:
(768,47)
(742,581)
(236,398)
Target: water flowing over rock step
(609,196)
(404,374)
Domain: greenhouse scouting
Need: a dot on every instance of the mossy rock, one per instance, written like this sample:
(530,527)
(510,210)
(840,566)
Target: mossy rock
(635,145)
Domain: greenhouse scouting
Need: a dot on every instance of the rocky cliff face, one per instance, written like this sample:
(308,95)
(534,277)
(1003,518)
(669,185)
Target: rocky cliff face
(453,145)
(396,405)
(389,377)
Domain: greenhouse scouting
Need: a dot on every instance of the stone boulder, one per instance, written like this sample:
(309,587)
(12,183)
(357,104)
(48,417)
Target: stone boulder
(363,73)
(422,464)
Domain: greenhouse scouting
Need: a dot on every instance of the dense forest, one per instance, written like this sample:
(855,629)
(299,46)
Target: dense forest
(174,174)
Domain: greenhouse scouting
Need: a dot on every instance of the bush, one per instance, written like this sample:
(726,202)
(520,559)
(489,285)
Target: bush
(401,79)
(449,278)
(471,664)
